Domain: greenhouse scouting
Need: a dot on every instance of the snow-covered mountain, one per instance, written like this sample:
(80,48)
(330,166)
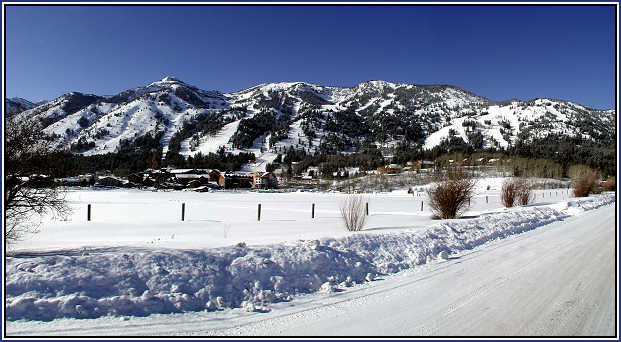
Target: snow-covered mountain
(269,118)
(502,124)
(16,105)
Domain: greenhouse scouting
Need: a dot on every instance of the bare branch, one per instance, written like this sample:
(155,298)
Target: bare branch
(29,191)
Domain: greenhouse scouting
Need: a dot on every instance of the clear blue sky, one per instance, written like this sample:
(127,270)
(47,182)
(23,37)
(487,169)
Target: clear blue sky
(500,52)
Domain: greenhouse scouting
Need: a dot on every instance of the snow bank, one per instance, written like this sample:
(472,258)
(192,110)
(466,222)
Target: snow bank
(139,281)
(579,205)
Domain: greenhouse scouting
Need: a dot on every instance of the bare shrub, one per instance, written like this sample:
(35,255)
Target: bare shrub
(509,192)
(451,195)
(516,191)
(524,193)
(610,184)
(352,210)
(585,184)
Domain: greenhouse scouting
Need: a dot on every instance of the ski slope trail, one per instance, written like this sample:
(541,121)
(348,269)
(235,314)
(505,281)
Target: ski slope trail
(557,280)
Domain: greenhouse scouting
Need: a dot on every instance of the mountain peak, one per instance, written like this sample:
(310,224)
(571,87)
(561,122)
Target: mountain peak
(166,82)
(171,79)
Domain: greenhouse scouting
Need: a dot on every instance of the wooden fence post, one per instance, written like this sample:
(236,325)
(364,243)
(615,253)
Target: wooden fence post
(421,205)
(313,211)
(88,212)
(182,211)
(367,209)
(259,213)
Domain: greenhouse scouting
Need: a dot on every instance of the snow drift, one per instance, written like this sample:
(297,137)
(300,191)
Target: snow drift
(138,281)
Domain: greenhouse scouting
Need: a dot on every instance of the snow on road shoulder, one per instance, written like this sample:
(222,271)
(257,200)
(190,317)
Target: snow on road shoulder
(576,206)
(141,281)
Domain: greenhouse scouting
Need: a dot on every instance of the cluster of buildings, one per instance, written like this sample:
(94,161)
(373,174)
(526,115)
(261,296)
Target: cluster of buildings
(178,179)
(206,179)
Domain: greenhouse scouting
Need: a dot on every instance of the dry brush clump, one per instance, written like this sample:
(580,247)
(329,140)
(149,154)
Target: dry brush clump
(508,193)
(585,184)
(610,184)
(516,191)
(353,212)
(524,193)
(451,194)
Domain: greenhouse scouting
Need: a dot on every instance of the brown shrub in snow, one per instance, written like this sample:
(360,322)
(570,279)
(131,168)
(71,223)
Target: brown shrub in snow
(508,193)
(451,194)
(524,192)
(516,191)
(585,184)
(611,184)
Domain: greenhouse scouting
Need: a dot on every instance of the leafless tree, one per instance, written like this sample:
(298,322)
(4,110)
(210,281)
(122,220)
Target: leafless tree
(352,210)
(29,190)
(451,193)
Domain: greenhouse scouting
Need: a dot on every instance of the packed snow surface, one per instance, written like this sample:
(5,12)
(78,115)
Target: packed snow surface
(128,262)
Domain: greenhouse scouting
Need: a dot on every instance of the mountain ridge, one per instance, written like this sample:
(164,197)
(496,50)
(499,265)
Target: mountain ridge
(16,105)
(269,118)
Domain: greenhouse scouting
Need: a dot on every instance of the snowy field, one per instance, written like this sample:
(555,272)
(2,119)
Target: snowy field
(136,258)
(137,218)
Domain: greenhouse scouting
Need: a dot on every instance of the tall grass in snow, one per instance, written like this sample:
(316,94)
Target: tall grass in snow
(352,210)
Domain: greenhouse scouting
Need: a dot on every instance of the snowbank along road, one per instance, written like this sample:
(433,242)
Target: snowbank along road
(557,280)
